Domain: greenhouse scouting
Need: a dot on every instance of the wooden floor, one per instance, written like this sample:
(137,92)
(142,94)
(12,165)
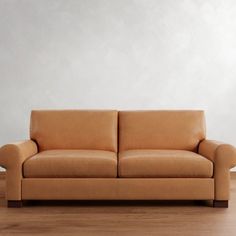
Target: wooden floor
(121,218)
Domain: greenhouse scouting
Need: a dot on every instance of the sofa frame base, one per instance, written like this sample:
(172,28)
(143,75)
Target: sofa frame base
(118,189)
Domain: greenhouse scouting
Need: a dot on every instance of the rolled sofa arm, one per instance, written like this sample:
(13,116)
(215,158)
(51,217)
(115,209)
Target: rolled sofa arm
(12,156)
(223,157)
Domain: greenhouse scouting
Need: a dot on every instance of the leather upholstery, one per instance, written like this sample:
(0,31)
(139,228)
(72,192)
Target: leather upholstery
(181,130)
(74,129)
(71,164)
(118,188)
(224,157)
(12,156)
(163,164)
(72,155)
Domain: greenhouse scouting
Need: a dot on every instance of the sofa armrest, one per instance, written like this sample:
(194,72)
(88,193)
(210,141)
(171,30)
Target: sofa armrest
(218,153)
(12,156)
(223,157)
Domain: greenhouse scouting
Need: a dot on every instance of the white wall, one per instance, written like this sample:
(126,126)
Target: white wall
(120,54)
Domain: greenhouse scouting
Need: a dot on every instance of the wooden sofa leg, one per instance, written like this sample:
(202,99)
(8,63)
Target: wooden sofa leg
(221,203)
(14,204)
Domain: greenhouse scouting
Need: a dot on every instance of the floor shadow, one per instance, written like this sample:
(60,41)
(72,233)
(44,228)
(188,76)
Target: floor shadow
(118,203)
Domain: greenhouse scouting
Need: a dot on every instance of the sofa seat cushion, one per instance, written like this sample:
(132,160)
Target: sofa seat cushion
(71,164)
(163,163)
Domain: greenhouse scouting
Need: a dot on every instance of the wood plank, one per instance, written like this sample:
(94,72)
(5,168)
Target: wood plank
(233,174)
(2,174)
(177,218)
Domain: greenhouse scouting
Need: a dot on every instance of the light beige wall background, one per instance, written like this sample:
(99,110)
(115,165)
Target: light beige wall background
(119,54)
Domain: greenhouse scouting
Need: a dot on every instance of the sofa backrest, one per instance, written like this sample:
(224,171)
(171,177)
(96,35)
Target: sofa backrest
(74,129)
(161,130)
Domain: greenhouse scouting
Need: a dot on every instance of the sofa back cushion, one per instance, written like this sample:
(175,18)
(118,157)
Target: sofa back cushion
(74,129)
(161,130)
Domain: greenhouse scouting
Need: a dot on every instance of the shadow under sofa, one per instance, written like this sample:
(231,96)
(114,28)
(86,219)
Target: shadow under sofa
(111,155)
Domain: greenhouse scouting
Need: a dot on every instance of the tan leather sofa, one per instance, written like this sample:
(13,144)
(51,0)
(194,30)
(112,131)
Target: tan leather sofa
(110,155)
